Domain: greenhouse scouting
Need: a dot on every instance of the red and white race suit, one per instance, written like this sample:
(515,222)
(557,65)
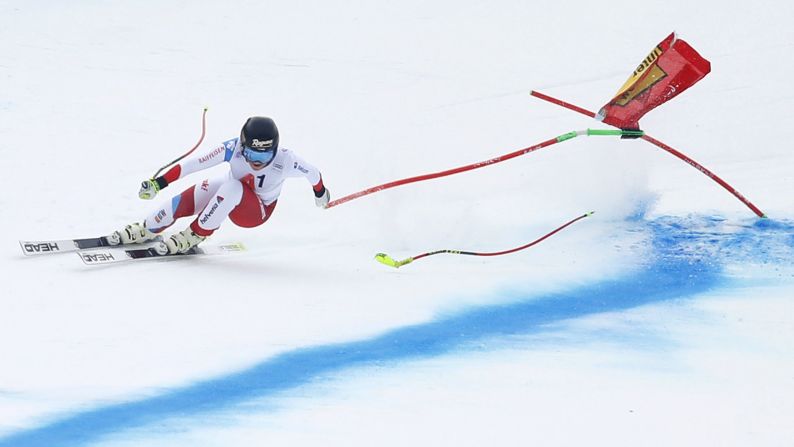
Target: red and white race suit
(244,194)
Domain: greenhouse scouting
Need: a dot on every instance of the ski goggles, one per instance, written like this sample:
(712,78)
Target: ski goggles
(254,156)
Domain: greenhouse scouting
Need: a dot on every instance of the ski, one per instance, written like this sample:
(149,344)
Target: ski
(44,247)
(114,255)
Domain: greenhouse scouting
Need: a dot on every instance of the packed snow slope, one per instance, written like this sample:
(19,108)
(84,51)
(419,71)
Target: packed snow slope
(664,319)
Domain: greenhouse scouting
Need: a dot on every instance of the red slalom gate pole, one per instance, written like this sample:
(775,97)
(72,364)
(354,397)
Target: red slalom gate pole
(518,153)
(705,171)
(421,178)
(664,147)
(562,103)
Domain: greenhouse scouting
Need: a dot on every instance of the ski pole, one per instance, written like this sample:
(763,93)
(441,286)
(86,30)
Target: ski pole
(664,147)
(203,131)
(385,259)
(511,155)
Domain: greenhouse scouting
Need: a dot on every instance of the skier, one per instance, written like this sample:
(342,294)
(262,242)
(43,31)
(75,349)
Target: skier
(247,194)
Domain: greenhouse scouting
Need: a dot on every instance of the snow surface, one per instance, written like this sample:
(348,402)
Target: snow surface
(665,319)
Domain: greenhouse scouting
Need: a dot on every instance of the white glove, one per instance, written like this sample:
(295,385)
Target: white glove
(149,189)
(323,200)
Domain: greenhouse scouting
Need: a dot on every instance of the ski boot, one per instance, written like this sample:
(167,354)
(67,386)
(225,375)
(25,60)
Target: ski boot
(180,242)
(131,234)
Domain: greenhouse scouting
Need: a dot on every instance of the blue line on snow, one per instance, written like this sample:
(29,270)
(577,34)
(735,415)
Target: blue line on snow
(687,259)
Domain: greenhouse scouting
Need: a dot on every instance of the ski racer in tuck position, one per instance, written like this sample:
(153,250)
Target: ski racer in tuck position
(247,194)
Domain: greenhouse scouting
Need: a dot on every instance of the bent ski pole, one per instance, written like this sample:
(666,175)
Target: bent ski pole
(203,132)
(385,259)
